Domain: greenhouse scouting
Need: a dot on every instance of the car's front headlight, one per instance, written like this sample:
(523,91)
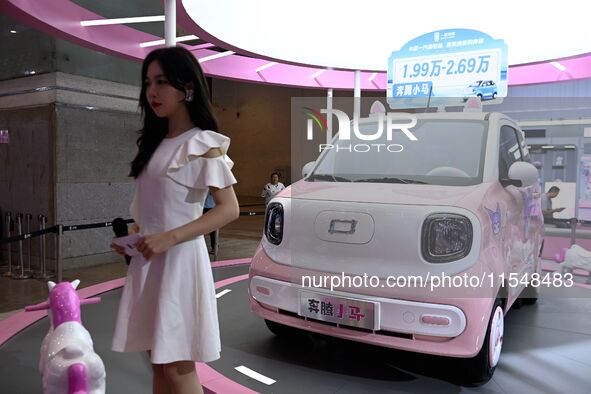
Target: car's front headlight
(274,223)
(446,237)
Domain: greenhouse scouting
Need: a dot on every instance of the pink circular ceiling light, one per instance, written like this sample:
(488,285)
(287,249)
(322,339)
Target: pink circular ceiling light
(61,18)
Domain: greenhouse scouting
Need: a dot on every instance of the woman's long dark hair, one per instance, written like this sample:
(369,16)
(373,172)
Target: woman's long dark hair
(180,69)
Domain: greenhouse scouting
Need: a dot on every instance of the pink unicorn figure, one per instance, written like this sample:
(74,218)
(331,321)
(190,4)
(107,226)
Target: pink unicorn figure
(67,361)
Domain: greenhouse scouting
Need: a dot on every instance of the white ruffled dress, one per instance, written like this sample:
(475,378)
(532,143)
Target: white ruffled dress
(168,305)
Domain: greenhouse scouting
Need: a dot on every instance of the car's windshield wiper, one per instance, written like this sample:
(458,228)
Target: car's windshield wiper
(390,180)
(328,177)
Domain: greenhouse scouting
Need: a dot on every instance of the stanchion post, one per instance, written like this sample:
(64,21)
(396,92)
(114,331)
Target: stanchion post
(21,262)
(58,252)
(42,249)
(28,218)
(40,227)
(8,245)
(573,231)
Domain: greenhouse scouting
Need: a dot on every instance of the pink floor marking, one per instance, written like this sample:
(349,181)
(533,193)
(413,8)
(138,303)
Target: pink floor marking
(211,380)
(226,263)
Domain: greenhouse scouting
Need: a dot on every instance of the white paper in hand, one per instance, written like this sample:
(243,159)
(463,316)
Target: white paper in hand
(130,243)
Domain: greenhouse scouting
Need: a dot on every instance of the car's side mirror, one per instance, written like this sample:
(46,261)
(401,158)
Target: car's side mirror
(307,168)
(521,174)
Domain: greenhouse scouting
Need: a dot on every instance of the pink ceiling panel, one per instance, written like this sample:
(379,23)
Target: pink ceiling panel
(576,68)
(61,18)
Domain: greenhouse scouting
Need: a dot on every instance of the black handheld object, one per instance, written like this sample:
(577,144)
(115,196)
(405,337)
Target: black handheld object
(120,230)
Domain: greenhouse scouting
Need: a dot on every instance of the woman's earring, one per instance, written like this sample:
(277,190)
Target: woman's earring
(189,95)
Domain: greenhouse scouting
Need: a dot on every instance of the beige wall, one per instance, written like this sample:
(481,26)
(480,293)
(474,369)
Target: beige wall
(27,174)
(257,119)
(26,163)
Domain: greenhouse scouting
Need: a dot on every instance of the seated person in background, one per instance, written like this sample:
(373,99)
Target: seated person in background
(272,188)
(546,203)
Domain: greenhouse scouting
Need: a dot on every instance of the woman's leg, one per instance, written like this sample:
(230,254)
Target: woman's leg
(159,383)
(181,377)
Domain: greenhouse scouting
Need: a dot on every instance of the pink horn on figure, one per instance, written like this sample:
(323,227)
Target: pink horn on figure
(93,300)
(39,307)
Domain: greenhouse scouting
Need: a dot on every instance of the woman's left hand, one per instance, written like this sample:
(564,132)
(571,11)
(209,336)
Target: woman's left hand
(155,244)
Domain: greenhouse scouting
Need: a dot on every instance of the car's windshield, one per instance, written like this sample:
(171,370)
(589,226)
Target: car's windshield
(447,152)
(474,84)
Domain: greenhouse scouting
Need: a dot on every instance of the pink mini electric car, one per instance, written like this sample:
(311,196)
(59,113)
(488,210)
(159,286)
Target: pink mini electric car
(423,246)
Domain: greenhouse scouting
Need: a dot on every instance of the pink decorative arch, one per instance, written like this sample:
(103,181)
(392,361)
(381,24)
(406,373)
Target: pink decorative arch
(61,18)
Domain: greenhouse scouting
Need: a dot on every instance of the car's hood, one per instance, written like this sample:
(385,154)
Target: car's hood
(382,193)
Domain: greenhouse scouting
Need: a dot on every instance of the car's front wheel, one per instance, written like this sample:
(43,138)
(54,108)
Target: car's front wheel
(494,96)
(480,369)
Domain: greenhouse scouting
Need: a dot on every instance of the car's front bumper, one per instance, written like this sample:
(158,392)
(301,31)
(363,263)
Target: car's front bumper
(403,323)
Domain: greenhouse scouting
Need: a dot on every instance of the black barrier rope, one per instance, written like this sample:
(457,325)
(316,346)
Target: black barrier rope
(26,236)
(54,229)
(92,225)
(76,227)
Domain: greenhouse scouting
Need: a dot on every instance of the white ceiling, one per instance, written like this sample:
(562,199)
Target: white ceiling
(361,34)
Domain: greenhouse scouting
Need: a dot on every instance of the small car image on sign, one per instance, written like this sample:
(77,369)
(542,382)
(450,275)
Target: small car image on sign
(485,89)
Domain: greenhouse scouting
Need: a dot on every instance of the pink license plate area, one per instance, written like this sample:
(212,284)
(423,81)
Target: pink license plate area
(340,310)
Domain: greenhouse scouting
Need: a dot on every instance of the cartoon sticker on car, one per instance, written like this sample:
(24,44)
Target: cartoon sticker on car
(495,218)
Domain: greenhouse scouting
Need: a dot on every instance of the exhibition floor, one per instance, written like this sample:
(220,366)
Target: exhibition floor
(546,350)
(546,346)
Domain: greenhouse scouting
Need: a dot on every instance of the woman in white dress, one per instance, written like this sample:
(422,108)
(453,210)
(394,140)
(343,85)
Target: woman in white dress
(272,188)
(168,305)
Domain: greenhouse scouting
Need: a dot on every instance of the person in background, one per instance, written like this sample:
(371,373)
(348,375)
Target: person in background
(534,208)
(272,188)
(209,204)
(546,203)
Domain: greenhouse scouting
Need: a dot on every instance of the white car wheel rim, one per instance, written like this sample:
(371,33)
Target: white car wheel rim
(497,328)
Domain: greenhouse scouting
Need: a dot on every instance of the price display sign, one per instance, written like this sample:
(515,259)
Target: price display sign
(447,67)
